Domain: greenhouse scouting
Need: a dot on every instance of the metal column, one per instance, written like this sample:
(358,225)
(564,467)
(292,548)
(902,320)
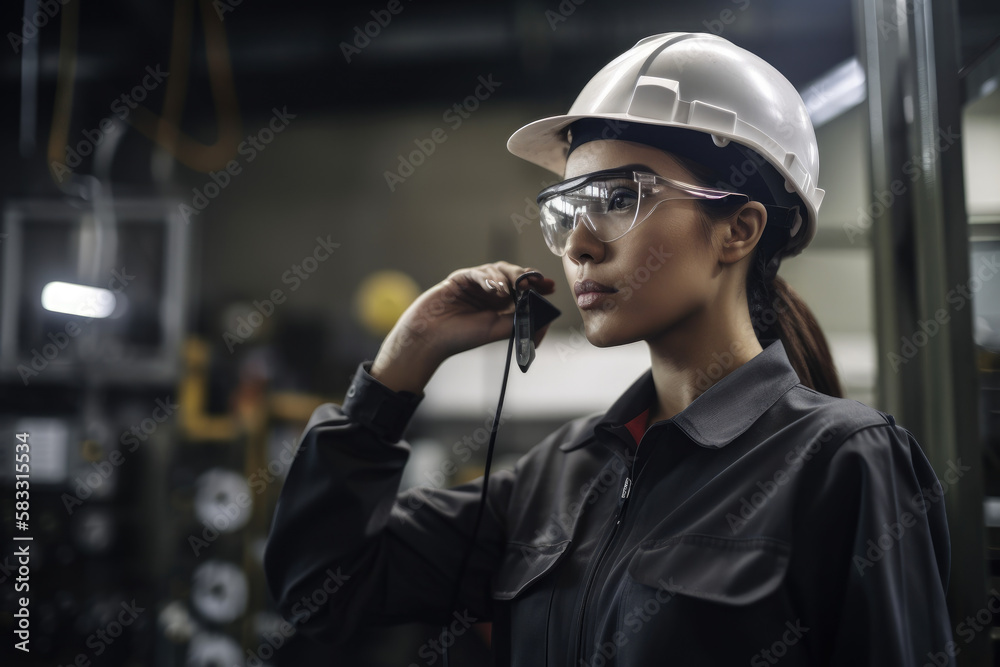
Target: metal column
(919,232)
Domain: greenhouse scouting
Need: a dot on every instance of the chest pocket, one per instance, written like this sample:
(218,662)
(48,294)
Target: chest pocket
(718,569)
(523,565)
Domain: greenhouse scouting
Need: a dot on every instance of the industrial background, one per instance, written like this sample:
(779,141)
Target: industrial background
(259,190)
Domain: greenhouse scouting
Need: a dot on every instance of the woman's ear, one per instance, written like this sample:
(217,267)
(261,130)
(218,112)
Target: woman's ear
(742,231)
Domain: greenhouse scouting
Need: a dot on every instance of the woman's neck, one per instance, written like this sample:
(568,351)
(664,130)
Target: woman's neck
(685,363)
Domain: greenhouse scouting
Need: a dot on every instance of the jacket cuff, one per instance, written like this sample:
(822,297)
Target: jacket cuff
(375,406)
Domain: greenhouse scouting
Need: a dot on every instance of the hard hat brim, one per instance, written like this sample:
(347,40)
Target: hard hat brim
(543,142)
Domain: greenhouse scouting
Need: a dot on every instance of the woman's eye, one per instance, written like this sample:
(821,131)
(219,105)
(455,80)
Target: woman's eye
(621,199)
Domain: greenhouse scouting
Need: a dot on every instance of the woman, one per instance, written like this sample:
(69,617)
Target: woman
(729,507)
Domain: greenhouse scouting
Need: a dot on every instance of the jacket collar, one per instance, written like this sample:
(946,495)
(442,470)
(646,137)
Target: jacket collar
(717,416)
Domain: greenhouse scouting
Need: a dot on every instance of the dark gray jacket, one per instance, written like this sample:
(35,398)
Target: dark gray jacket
(766,522)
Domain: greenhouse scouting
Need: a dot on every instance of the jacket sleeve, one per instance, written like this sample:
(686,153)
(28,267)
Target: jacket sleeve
(881,549)
(346,549)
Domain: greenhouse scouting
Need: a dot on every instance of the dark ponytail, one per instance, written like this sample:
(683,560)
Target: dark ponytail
(776,310)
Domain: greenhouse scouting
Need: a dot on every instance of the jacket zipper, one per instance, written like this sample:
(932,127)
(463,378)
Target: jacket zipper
(622,501)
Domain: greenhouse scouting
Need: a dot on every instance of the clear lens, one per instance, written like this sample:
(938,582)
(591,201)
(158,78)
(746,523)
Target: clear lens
(608,207)
(610,204)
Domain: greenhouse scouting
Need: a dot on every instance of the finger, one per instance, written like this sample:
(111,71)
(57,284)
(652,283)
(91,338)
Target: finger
(479,289)
(498,281)
(496,286)
(529,274)
(521,278)
(489,281)
(511,272)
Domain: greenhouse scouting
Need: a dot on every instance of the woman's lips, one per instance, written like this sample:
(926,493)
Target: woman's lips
(589,292)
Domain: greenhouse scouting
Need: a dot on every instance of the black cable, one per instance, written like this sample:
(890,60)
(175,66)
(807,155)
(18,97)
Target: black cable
(482,500)
(531,314)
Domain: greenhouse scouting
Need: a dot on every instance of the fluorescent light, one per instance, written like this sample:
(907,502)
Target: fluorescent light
(835,92)
(80,300)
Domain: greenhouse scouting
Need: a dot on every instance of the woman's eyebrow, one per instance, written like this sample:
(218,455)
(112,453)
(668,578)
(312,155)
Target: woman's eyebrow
(638,167)
(623,168)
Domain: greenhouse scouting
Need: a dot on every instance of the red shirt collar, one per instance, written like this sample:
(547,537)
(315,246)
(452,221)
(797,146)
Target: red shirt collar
(637,426)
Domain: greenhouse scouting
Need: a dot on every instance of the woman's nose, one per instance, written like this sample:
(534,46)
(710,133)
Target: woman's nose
(582,242)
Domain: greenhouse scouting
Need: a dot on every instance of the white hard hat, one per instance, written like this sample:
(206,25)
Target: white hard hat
(729,96)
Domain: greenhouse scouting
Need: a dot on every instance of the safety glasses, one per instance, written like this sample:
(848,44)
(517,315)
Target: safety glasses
(611,203)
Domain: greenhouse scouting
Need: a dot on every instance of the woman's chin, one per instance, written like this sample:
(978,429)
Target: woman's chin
(603,334)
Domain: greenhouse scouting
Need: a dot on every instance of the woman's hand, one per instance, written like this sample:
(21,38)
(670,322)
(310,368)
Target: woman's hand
(469,308)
